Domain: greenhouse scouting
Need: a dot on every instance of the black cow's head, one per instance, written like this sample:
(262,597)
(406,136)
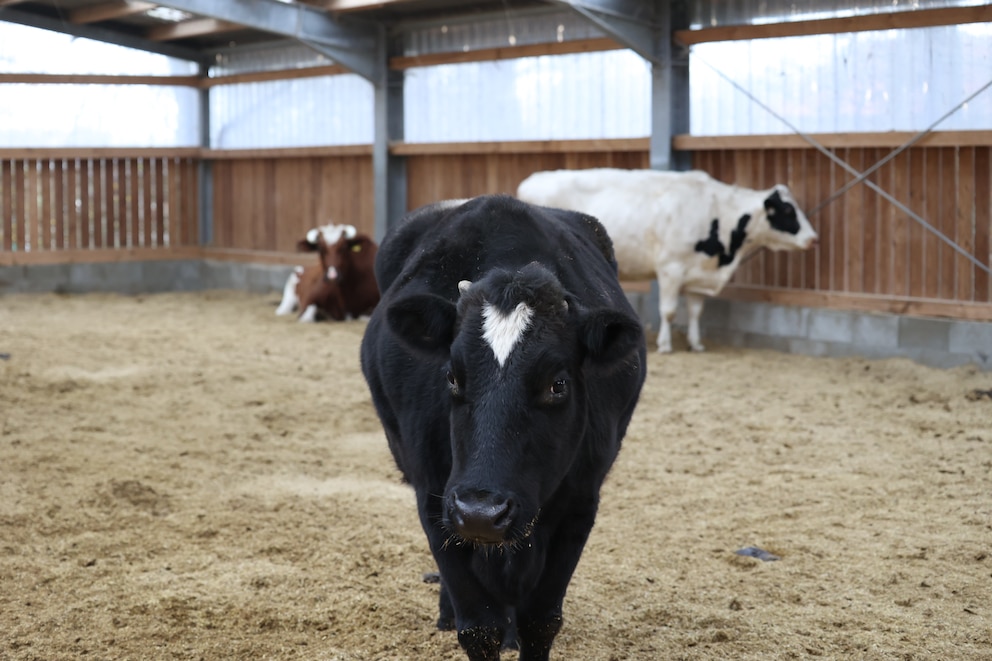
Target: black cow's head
(517,353)
(790,227)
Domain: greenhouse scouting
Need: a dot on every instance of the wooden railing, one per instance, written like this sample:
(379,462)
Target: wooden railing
(98,205)
(60,205)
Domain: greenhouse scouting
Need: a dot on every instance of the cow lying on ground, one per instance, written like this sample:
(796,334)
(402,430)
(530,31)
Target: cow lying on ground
(687,229)
(504,363)
(342,285)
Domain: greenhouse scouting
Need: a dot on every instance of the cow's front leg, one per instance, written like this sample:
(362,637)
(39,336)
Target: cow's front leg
(694,307)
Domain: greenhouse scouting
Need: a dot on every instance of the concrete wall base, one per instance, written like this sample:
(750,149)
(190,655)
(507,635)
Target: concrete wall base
(828,332)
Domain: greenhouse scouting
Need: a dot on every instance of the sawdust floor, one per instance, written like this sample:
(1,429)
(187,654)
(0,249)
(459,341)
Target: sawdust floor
(188,476)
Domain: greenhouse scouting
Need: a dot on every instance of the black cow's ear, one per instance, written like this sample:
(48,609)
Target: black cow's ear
(610,336)
(425,322)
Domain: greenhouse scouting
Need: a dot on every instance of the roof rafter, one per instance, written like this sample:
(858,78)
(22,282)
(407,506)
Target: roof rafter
(192,28)
(355,45)
(97,33)
(109,11)
(629,22)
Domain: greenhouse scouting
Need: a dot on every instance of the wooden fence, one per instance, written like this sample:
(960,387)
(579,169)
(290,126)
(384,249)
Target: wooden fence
(97,205)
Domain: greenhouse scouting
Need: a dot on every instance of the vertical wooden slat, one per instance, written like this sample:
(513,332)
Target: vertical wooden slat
(964,222)
(147,230)
(854,227)
(20,229)
(932,183)
(160,176)
(85,211)
(191,202)
(134,176)
(59,206)
(983,222)
(121,191)
(72,203)
(173,217)
(7,204)
(946,221)
(811,165)
(32,208)
(99,222)
(111,238)
(837,243)
(45,220)
(871,257)
(917,202)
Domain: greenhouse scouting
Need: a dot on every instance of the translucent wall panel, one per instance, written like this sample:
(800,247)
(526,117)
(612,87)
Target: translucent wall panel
(711,13)
(590,95)
(893,80)
(328,110)
(31,50)
(98,116)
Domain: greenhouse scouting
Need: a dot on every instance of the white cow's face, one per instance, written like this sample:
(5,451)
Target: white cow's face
(790,227)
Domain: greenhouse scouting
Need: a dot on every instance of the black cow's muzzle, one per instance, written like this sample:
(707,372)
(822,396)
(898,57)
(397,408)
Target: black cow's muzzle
(481,517)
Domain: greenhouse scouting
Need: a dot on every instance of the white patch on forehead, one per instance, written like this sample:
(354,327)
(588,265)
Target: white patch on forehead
(503,331)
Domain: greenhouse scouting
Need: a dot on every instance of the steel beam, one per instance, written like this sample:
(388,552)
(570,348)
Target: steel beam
(352,43)
(96,33)
(631,23)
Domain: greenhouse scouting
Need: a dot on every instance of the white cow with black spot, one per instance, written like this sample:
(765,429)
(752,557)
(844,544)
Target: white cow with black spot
(687,229)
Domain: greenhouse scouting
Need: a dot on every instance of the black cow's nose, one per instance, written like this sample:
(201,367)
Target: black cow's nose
(481,517)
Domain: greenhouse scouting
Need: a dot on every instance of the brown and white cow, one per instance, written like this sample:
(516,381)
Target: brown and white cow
(685,228)
(341,285)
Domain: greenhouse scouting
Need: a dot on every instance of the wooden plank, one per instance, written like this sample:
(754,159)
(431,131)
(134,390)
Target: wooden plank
(147,223)
(107,11)
(45,217)
(964,222)
(85,210)
(134,176)
(196,27)
(18,228)
(112,238)
(99,226)
(267,76)
(900,224)
(871,229)
(59,210)
(878,206)
(71,202)
(890,139)
(188,202)
(946,221)
(32,212)
(932,181)
(983,223)
(121,192)
(159,208)
(504,53)
(854,227)
(847,301)
(917,202)
(518,147)
(98,255)
(97,79)
(6,205)
(830,245)
(895,20)
(91,152)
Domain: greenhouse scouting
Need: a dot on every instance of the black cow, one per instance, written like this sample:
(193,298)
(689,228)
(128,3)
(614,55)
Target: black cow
(505,363)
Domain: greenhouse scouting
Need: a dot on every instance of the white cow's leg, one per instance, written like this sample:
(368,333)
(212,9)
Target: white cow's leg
(289,299)
(694,305)
(309,315)
(668,301)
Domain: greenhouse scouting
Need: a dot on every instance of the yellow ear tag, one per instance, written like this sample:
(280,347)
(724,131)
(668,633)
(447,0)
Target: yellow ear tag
(356,248)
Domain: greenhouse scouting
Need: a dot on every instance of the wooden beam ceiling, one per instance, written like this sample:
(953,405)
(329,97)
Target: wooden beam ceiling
(194,28)
(109,11)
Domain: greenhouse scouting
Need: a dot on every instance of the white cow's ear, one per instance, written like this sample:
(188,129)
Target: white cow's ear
(463,285)
(350,231)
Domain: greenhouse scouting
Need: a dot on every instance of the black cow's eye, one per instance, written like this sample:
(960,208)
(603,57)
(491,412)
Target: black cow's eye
(556,392)
(452,382)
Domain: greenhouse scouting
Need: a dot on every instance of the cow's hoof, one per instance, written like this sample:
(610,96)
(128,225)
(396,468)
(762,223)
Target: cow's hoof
(664,350)
(698,348)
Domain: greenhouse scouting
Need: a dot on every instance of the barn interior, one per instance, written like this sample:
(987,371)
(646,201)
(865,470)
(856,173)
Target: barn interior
(289,114)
